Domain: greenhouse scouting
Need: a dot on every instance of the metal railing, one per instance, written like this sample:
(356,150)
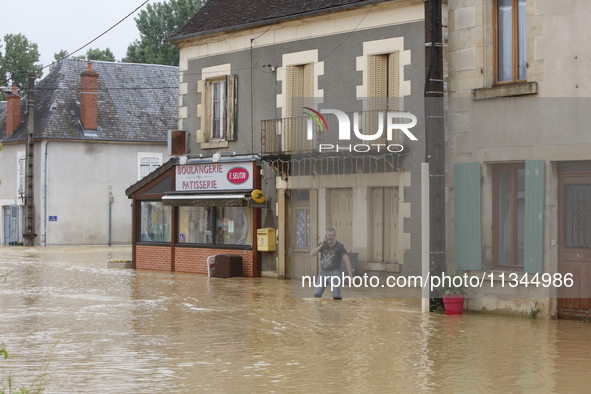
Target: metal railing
(302,134)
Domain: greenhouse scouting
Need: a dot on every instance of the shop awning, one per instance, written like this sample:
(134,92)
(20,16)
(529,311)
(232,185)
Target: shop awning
(206,200)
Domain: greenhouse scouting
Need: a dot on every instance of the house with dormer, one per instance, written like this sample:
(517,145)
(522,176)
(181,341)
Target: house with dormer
(99,126)
(302,99)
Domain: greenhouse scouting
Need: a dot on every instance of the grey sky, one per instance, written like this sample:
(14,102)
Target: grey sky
(69,24)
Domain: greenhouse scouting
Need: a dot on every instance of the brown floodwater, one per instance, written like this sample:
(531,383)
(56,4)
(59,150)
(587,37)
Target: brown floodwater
(86,328)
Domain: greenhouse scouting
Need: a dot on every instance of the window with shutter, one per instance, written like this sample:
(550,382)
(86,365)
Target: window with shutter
(220,114)
(383,85)
(21,175)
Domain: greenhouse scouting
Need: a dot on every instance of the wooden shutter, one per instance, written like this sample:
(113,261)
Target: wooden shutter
(341,215)
(390,224)
(393,81)
(281,263)
(231,107)
(314,227)
(377,224)
(534,216)
(378,76)
(468,216)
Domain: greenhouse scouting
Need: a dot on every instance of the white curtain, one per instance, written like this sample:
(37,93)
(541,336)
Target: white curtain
(505,40)
(522,40)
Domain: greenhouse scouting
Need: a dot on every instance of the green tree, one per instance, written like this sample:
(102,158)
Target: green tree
(102,55)
(105,55)
(19,58)
(57,57)
(157,22)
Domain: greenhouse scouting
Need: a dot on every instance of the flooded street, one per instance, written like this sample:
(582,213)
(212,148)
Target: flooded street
(93,329)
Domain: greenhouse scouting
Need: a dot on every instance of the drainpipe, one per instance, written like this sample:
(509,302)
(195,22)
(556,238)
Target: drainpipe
(111,200)
(434,136)
(45,193)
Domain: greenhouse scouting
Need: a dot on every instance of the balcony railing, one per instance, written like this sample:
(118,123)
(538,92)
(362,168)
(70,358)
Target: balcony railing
(304,135)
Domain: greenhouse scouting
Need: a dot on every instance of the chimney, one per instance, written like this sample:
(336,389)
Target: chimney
(13,111)
(88,98)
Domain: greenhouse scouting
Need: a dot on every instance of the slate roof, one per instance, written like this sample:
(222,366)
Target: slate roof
(224,15)
(136,102)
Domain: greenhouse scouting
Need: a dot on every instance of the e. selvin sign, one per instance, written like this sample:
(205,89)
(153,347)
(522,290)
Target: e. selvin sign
(214,177)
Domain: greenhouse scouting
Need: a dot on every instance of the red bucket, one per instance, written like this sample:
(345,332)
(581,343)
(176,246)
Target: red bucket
(454,304)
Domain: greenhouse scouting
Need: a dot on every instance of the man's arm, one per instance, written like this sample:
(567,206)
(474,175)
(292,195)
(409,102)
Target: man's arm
(316,250)
(348,265)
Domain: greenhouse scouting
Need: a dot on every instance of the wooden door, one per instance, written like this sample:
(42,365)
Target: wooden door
(383,226)
(302,229)
(340,216)
(574,254)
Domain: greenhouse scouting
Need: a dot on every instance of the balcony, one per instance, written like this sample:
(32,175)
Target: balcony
(305,135)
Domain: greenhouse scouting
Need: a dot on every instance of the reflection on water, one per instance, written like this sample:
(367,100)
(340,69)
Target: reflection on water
(101,330)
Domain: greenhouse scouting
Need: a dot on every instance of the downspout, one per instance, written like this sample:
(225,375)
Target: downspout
(111,200)
(45,193)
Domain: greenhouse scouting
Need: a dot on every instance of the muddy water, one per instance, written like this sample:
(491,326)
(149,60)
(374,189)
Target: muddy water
(99,330)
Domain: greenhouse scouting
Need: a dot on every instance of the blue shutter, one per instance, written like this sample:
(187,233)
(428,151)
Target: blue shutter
(468,216)
(534,216)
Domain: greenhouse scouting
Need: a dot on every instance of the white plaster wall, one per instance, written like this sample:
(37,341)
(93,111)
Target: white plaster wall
(79,177)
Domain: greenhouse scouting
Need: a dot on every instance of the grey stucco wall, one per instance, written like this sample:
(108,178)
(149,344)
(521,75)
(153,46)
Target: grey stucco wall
(258,88)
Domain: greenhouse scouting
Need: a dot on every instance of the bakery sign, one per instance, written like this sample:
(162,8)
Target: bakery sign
(215,177)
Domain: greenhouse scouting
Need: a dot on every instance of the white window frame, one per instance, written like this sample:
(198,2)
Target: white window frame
(21,170)
(153,156)
(220,135)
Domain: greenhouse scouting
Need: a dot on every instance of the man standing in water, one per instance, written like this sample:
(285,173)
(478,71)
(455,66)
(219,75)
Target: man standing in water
(331,253)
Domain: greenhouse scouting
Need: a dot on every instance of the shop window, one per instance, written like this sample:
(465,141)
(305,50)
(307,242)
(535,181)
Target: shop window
(214,225)
(154,222)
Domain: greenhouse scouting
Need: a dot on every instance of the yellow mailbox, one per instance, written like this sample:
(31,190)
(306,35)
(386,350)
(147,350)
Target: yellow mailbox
(266,239)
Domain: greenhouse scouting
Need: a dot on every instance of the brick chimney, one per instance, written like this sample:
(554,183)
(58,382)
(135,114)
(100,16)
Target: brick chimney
(13,111)
(88,98)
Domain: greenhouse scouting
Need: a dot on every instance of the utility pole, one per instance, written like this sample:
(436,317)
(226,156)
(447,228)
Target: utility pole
(29,234)
(434,134)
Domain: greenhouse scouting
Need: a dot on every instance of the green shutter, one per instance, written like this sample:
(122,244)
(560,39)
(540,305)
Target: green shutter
(468,216)
(534,216)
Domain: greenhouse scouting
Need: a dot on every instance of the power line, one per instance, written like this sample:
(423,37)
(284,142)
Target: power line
(99,36)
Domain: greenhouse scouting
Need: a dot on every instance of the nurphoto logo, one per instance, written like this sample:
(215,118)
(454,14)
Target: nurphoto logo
(344,130)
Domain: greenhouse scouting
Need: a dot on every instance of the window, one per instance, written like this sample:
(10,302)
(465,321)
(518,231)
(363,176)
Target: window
(383,80)
(508,215)
(383,93)
(214,225)
(21,175)
(148,162)
(220,108)
(510,40)
(154,222)
(300,88)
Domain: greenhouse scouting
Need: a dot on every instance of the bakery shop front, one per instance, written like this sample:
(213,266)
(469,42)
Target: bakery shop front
(185,213)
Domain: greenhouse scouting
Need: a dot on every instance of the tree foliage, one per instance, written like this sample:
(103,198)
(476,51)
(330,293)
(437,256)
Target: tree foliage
(19,58)
(157,22)
(105,55)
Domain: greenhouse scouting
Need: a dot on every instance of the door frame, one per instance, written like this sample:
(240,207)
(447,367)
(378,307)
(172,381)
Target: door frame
(564,178)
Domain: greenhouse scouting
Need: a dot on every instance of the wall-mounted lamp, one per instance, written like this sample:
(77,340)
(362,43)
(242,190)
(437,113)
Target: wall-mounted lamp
(270,67)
